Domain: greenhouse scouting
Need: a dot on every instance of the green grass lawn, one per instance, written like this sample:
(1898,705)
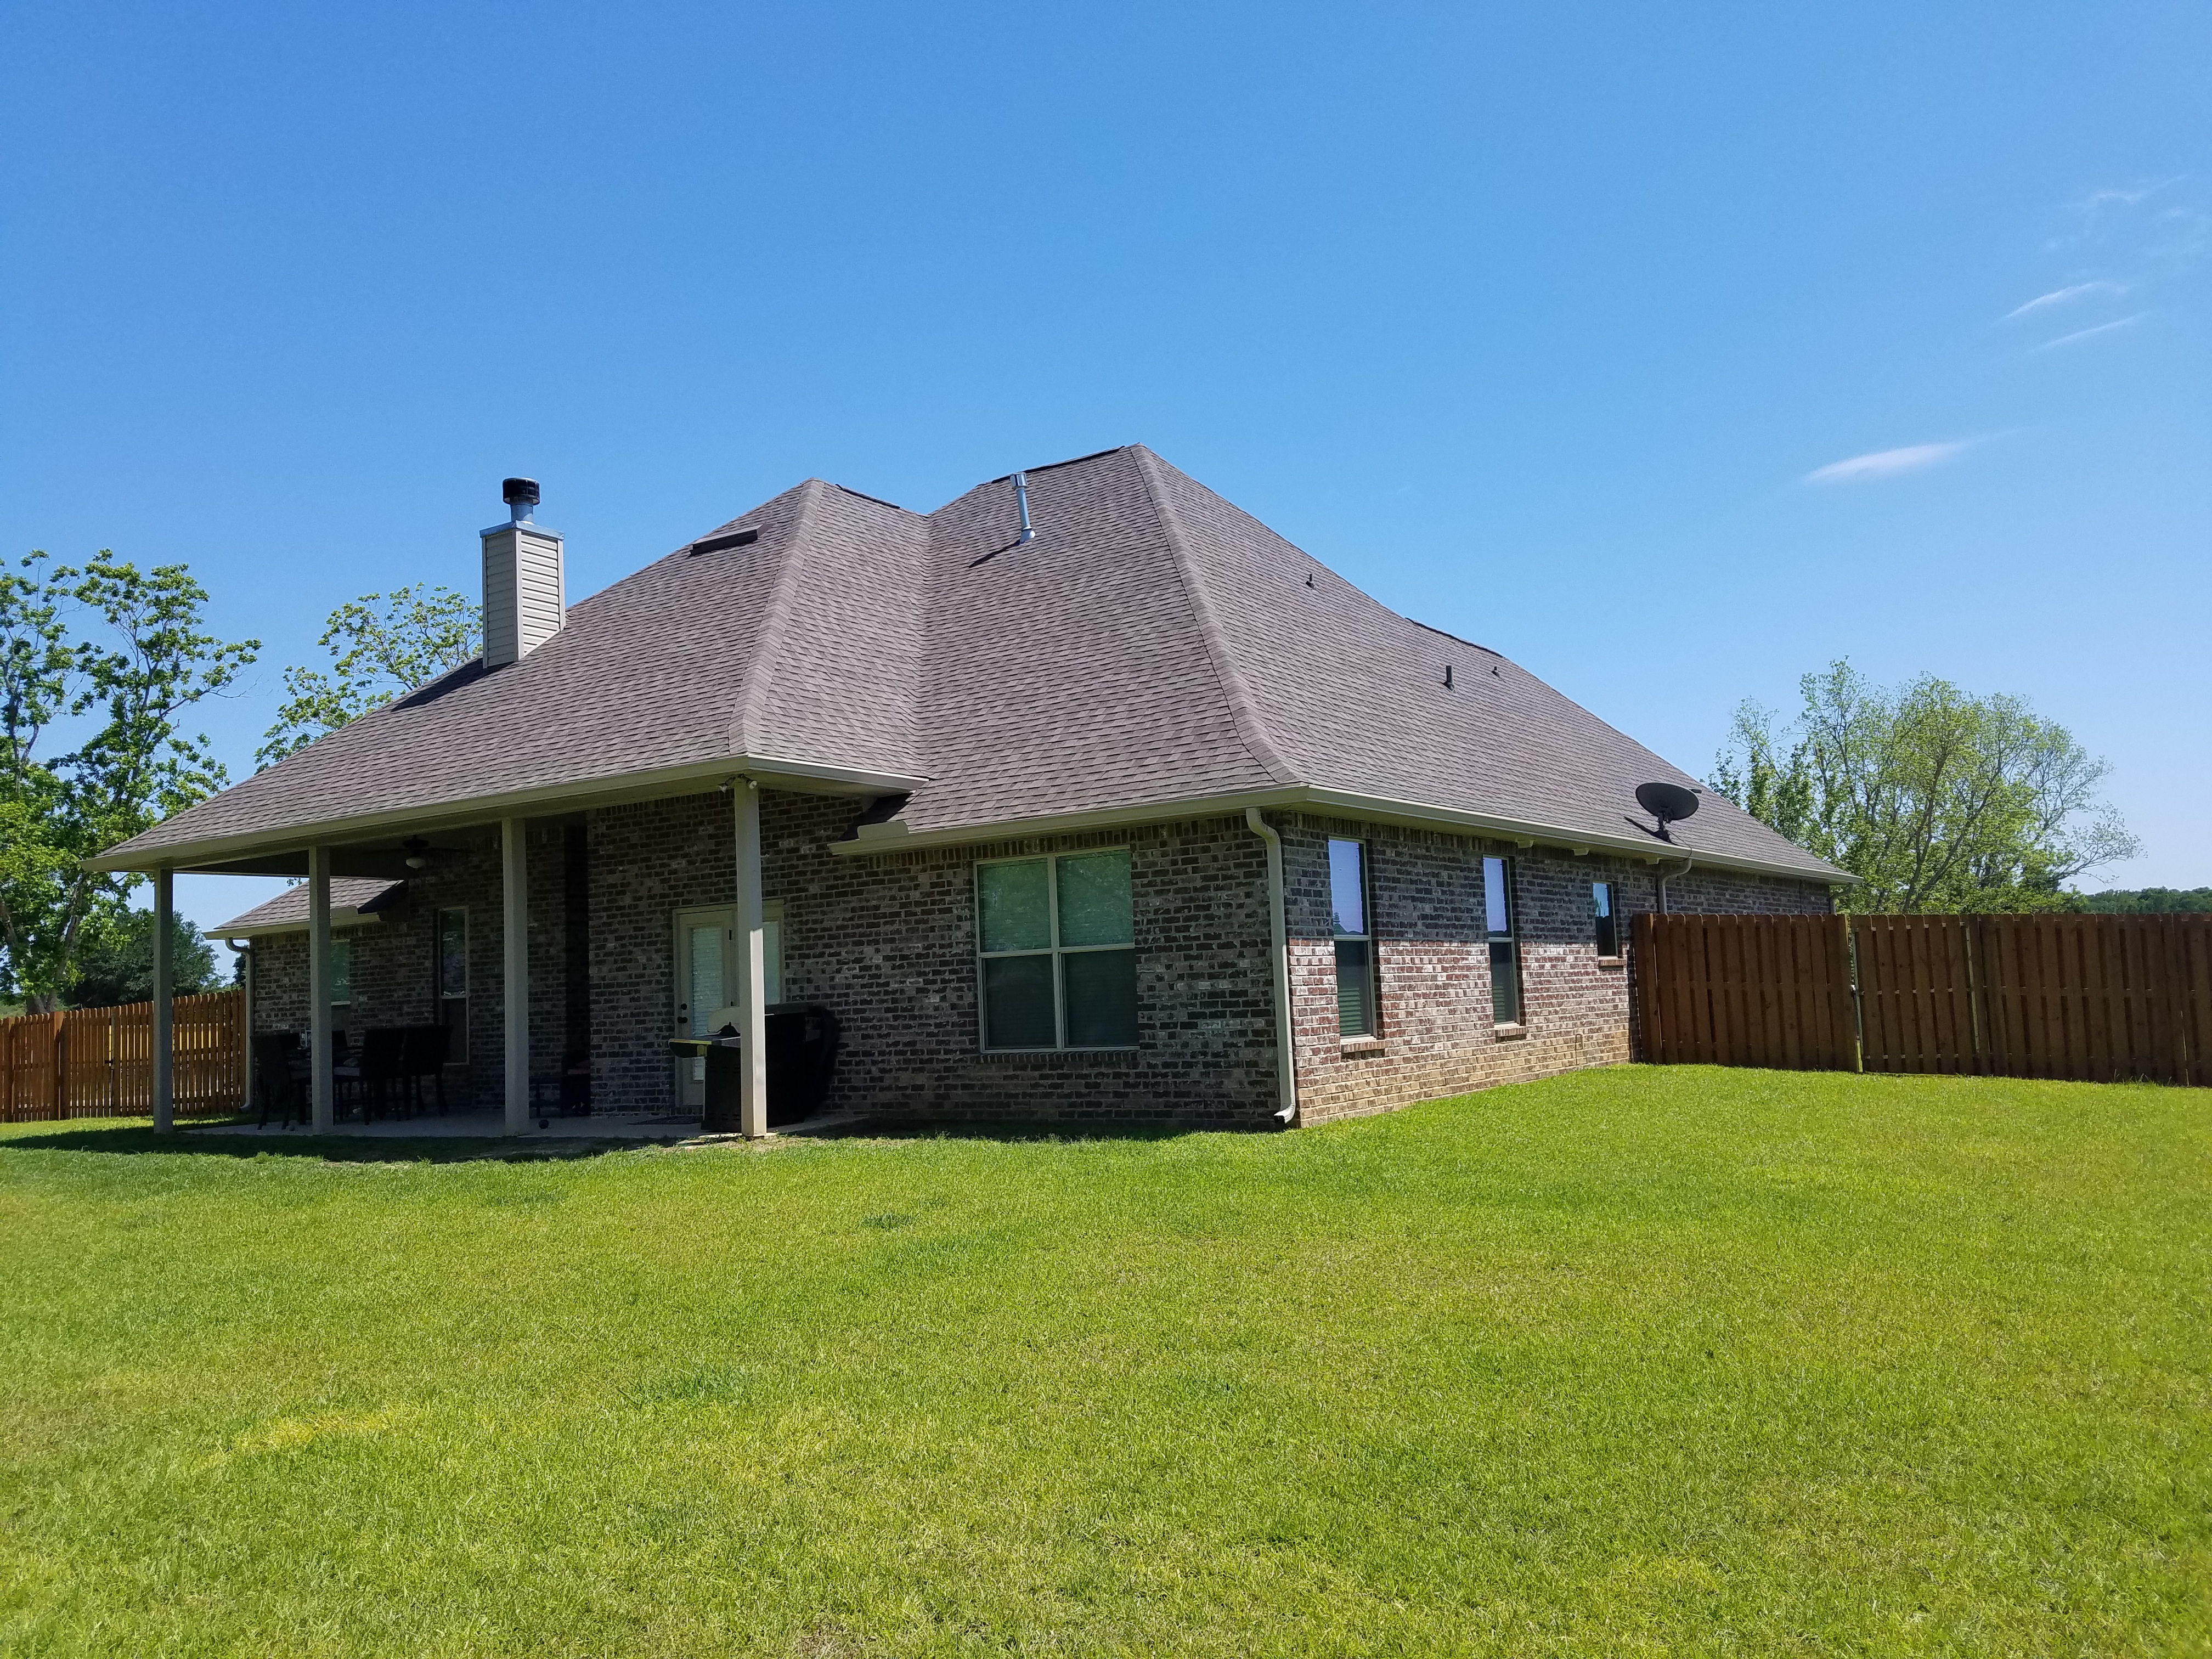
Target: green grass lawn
(1640,1360)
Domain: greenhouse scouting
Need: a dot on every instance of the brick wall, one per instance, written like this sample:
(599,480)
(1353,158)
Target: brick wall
(393,956)
(888,942)
(1436,1035)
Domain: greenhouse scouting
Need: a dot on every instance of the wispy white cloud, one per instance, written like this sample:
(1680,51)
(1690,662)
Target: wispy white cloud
(1883,464)
(2091,333)
(2059,296)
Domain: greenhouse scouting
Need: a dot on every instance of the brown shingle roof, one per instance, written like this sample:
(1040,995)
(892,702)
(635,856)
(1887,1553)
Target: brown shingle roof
(1152,644)
(350,896)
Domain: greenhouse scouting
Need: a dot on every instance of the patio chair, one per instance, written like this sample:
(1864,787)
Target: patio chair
(576,1083)
(383,1064)
(424,1056)
(279,1080)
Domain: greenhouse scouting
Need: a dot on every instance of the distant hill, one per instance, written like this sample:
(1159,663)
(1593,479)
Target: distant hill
(2142,900)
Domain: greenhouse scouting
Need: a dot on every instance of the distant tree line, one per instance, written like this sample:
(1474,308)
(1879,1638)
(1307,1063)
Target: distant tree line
(2143,901)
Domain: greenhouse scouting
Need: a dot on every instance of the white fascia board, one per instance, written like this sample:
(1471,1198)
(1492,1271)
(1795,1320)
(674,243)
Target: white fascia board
(1333,803)
(347,917)
(771,772)
(1418,815)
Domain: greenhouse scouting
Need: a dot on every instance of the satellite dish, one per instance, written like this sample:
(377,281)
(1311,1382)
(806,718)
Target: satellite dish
(1669,803)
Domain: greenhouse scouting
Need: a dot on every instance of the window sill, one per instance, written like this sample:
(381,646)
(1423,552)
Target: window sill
(1057,1054)
(1613,961)
(1508,1033)
(1362,1045)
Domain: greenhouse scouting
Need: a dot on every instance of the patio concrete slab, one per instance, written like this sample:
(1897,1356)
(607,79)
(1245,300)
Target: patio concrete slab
(492,1125)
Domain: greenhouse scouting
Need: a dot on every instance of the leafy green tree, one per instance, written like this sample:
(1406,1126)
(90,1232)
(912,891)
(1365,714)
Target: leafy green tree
(115,965)
(382,646)
(1936,799)
(113,656)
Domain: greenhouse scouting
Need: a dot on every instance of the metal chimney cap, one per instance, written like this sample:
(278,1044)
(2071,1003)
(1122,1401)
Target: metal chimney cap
(519,491)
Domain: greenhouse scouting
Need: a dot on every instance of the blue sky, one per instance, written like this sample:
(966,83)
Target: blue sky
(1672,351)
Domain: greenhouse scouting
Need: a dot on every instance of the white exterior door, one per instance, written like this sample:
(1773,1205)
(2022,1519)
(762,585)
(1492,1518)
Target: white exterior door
(707,980)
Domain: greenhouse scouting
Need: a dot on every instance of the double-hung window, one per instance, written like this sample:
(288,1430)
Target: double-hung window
(1057,960)
(1608,923)
(1355,943)
(1504,942)
(341,972)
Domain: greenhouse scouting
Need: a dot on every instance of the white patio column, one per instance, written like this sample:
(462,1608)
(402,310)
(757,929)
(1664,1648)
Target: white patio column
(322,1083)
(514,988)
(165,991)
(752,965)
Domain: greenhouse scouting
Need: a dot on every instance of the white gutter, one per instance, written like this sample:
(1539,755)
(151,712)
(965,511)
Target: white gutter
(1286,1059)
(342,915)
(892,837)
(428,818)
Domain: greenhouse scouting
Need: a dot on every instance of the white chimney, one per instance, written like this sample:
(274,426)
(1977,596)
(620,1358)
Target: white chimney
(523,603)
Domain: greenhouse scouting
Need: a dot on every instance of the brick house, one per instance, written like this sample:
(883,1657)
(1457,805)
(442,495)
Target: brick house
(1071,799)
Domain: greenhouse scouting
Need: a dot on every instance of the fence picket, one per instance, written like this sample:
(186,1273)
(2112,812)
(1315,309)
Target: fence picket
(2088,997)
(97,1062)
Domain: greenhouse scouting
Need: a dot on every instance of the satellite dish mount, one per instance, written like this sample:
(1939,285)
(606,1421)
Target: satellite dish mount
(1669,803)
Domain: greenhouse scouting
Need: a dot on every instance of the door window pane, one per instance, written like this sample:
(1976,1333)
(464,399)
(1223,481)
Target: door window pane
(1347,888)
(341,970)
(1017,906)
(1100,989)
(1017,1002)
(704,954)
(1094,900)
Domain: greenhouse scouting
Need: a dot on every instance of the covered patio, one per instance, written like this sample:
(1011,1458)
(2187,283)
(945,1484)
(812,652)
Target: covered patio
(377,847)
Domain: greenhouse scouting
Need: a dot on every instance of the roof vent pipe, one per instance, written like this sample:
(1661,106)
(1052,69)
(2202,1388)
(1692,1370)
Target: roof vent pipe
(523,603)
(1022,506)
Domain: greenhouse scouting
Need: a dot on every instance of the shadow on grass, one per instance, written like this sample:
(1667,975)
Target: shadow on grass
(213,1140)
(241,1140)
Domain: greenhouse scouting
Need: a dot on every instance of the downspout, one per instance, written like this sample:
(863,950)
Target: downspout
(1286,1061)
(1664,878)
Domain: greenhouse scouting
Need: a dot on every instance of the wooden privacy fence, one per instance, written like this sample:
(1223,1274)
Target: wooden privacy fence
(1746,991)
(98,1062)
(2099,998)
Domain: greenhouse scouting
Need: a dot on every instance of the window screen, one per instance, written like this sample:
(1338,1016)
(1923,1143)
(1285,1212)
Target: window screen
(1355,945)
(1504,942)
(1056,939)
